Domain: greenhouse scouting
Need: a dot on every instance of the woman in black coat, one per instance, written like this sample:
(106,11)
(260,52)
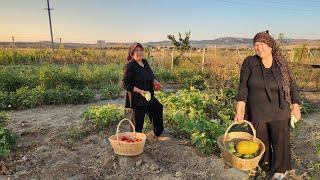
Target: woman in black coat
(139,80)
(268,97)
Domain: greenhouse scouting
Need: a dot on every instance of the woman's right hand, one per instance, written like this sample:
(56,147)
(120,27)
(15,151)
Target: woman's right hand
(240,109)
(139,91)
(239,118)
(142,93)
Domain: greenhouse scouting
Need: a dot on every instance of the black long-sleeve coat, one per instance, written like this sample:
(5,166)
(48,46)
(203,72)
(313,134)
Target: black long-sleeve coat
(261,89)
(140,77)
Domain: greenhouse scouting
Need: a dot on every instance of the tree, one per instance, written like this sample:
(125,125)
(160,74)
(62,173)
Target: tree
(182,45)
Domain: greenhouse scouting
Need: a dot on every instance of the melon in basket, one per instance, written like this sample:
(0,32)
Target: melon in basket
(243,148)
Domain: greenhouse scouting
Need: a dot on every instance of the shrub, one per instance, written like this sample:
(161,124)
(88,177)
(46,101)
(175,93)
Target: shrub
(4,118)
(196,81)
(189,112)
(103,116)
(7,140)
(75,96)
(110,91)
(25,97)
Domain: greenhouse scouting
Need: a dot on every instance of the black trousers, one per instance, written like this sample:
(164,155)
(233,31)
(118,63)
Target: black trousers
(276,137)
(155,113)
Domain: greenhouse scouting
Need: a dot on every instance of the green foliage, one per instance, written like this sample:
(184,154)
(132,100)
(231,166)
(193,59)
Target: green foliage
(306,106)
(26,97)
(182,44)
(25,86)
(165,75)
(4,118)
(4,100)
(75,96)
(196,81)
(110,91)
(74,133)
(55,76)
(300,53)
(196,115)
(7,139)
(103,116)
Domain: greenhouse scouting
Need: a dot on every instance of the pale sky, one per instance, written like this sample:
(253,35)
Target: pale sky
(151,20)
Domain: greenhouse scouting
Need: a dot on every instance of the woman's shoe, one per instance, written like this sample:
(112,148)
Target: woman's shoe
(278,176)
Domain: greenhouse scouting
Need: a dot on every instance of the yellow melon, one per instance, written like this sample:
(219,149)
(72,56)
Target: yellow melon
(147,95)
(247,147)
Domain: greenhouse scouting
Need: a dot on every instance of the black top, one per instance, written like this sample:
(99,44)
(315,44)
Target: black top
(140,77)
(261,89)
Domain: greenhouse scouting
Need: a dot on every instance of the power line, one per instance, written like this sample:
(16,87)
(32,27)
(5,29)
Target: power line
(289,2)
(264,5)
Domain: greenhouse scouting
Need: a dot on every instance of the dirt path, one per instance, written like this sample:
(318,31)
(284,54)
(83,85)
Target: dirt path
(43,154)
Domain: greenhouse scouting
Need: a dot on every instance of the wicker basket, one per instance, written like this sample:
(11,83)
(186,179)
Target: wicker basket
(232,160)
(125,148)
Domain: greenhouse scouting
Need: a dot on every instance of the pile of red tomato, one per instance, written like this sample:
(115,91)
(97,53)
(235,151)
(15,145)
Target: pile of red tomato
(130,139)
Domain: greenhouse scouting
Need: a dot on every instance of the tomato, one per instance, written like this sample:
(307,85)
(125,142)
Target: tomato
(129,139)
(157,86)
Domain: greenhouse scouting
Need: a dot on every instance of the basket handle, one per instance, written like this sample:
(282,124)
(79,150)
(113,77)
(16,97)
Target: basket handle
(236,123)
(125,119)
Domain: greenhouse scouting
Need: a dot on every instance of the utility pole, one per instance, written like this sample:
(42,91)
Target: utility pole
(13,43)
(49,9)
(60,43)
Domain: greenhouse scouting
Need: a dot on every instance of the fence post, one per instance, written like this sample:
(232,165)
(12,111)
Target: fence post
(172,56)
(162,59)
(215,52)
(203,55)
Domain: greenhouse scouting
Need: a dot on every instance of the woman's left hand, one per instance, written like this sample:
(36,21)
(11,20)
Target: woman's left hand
(296,111)
(157,86)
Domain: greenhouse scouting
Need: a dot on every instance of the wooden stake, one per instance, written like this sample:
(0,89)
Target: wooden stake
(203,55)
(172,56)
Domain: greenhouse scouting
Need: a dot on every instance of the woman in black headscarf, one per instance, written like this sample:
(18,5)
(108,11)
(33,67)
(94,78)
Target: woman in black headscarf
(268,97)
(139,81)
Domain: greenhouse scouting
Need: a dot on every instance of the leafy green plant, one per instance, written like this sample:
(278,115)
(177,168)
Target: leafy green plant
(7,141)
(196,81)
(182,45)
(103,116)
(306,106)
(4,118)
(74,133)
(189,112)
(4,100)
(25,97)
(75,96)
(165,75)
(53,96)
(110,91)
